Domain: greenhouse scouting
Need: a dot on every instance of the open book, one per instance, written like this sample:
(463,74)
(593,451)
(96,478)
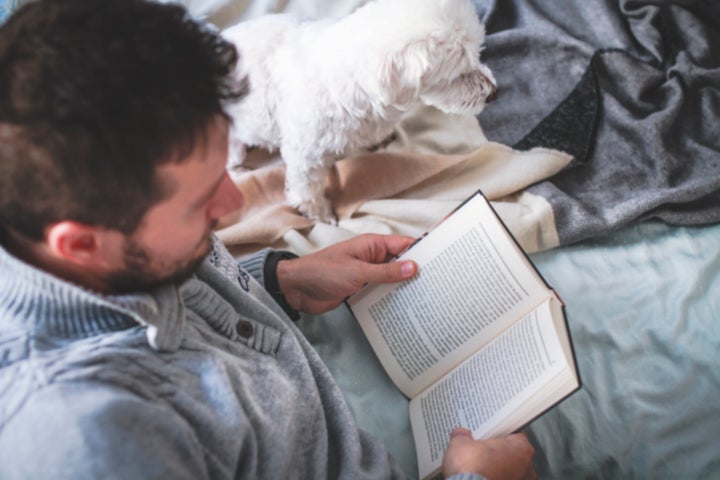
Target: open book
(476,339)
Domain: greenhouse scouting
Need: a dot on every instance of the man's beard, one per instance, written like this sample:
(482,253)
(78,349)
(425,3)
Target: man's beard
(142,274)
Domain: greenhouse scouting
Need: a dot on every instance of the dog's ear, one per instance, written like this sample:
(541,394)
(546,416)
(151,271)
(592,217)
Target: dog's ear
(467,93)
(446,75)
(401,73)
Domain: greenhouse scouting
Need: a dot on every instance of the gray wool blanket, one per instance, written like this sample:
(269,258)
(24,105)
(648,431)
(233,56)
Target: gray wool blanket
(631,89)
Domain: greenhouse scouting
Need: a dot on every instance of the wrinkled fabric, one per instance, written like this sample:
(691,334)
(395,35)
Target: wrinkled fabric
(645,133)
(643,307)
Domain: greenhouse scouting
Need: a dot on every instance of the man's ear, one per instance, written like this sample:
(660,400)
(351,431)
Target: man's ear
(77,243)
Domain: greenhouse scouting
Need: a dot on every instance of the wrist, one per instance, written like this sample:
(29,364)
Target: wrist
(276,280)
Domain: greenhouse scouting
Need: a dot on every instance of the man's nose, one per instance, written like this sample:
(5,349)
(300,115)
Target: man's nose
(227,198)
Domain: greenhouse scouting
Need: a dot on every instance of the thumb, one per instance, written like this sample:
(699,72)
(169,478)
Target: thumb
(460,432)
(392,272)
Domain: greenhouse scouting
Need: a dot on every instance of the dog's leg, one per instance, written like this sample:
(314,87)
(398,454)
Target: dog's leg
(305,188)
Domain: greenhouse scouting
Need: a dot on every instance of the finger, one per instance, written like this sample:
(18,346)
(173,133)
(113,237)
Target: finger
(391,272)
(379,248)
(460,432)
(519,439)
(396,244)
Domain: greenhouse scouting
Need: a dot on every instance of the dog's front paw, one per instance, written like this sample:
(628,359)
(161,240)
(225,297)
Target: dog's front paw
(319,210)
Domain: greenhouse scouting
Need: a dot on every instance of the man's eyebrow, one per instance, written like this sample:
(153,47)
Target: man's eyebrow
(211,191)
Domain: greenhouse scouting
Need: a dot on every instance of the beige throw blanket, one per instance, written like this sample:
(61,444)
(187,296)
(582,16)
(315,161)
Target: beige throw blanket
(435,162)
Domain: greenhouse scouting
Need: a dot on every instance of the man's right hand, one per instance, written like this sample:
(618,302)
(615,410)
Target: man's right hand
(506,458)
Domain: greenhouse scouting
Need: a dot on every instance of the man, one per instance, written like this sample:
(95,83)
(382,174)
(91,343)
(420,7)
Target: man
(132,344)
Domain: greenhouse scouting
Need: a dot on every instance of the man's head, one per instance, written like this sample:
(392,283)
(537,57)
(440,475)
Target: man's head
(104,106)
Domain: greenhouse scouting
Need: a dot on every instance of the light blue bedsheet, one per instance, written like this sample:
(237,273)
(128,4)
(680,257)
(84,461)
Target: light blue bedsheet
(644,311)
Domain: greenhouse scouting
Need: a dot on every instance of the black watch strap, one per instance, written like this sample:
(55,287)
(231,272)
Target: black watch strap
(271,281)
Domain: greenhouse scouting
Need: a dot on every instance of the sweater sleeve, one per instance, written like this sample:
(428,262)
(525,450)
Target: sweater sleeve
(263,267)
(70,431)
(255,264)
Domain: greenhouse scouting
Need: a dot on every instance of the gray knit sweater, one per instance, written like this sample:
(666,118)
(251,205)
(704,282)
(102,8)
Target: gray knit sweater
(208,380)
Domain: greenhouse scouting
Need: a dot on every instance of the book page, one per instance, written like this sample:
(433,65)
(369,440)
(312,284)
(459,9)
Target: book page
(472,282)
(485,393)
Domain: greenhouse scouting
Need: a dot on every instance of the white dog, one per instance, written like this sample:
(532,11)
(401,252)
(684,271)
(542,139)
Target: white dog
(322,89)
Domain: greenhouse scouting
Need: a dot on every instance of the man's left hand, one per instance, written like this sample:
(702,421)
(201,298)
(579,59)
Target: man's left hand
(321,281)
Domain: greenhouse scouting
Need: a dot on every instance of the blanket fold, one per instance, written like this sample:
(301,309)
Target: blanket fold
(649,72)
(391,192)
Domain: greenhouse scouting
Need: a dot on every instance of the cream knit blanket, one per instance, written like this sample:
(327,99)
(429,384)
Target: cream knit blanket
(435,162)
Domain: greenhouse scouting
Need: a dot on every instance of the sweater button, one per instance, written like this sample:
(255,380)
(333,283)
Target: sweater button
(244,329)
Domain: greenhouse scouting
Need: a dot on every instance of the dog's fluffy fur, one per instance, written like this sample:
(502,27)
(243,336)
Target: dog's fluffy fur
(322,89)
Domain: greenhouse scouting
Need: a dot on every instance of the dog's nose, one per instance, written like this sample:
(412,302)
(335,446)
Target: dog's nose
(493,95)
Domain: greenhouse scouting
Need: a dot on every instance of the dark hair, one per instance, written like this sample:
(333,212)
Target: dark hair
(94,96)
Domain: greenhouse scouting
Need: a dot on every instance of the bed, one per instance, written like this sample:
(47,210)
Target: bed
(626,230)
(602,154)
(642,307)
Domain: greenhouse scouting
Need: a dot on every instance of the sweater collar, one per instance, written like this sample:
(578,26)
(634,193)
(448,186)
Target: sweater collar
(49,306)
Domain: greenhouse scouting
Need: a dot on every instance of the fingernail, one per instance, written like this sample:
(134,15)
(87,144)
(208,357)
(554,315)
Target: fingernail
(460,432)
(407,269)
